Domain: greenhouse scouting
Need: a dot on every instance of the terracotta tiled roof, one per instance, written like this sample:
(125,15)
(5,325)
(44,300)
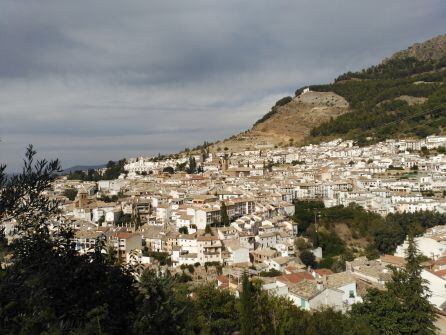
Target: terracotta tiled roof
(123,235)
(295,278)
(223,279)
(441,261)
(323,272)
(441,273)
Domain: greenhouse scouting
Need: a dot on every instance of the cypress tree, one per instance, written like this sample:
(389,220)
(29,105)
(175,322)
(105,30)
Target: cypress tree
(224,214)
(246,307)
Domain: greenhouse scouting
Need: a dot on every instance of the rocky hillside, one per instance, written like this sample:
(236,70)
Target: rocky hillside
(405,95)
(290,121)
(305,111)
(433,49)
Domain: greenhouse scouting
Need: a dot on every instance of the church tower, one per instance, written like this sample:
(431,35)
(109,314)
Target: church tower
(82,198)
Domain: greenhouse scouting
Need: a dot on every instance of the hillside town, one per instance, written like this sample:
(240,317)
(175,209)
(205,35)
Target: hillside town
(218,215)
(228,168)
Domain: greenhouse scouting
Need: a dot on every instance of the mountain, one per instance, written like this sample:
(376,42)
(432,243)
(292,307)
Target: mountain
(433,49)
(404,95)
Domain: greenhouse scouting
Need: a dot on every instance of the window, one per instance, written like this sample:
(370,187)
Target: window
(302,303)
(351,294)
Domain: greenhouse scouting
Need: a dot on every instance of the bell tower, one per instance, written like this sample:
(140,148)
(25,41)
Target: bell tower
(82,198)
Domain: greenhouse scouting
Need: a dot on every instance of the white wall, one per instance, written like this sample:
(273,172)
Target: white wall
(346,296)
(328,298)
(297,301)
(427,246)
(436,286)
(240,255)
(200,219)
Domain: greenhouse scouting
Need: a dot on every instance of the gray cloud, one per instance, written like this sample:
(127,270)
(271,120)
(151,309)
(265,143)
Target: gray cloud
(92,81)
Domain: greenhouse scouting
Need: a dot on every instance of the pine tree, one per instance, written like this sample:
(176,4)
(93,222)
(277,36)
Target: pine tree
(404,308)
(412,291)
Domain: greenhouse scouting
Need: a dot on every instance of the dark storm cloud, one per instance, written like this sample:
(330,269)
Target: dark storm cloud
(89,81)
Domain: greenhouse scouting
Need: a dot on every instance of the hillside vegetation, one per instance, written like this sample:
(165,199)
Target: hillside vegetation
(402,96)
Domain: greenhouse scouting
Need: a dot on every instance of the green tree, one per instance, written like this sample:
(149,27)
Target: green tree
(300,244)
(224,214)
(70,193)
(388,237)
(159,312)
(305,211)
(307,258)
(101,220)
(169,170)
(91,175)
(246,307)
(183,230)
(214,311)
(49,287)
(270,273)
(114,169)
(330,242)
(404,308)
(192,167)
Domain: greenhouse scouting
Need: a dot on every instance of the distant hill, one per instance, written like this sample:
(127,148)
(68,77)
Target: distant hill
(405,95)
(82,168)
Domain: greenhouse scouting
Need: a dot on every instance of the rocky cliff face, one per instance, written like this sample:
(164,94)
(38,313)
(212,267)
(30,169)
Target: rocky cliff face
(432,49)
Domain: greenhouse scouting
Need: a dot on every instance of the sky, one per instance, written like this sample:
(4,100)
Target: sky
(92,81)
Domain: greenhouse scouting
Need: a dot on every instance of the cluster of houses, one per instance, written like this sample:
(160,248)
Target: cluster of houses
(238,213)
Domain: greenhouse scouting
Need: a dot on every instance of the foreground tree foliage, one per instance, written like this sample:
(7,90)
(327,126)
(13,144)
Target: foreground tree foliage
(50,289)
(261,313)
(404,307)
(159,311)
